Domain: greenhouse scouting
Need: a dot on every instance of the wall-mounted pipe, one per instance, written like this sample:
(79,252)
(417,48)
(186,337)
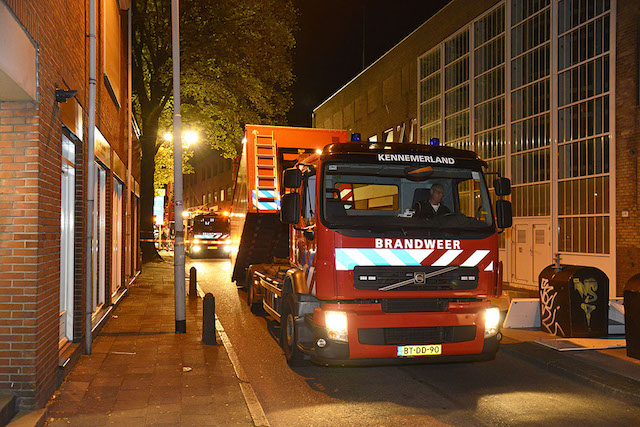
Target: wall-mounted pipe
(91,124)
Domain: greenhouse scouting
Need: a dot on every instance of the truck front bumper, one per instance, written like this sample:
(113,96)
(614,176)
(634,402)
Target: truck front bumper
(370,329)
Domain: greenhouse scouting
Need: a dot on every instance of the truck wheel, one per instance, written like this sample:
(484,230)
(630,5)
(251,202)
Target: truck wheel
(254,306)
(289,334)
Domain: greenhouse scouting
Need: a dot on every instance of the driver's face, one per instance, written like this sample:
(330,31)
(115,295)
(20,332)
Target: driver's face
(436,195)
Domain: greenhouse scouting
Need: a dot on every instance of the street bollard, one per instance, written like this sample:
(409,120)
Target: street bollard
(193,281)
(209,320)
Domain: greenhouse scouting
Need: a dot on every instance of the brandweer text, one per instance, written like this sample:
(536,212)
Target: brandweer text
(417,244)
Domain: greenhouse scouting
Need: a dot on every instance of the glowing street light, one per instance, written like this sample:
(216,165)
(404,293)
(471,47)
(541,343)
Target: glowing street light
(189,137)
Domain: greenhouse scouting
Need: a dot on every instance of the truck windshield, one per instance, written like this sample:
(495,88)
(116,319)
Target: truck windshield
(363,195)
(207,225)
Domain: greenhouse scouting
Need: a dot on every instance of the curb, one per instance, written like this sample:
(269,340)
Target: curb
(620,387)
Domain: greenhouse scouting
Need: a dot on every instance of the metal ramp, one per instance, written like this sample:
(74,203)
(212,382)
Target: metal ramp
(264,238)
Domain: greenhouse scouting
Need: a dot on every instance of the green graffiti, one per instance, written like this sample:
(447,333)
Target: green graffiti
(587,291)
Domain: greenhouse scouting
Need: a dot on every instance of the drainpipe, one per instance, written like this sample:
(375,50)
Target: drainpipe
(129,244)
(91,124)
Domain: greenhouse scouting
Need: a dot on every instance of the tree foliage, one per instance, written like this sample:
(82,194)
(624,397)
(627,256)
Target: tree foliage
(236,68)
(164,164)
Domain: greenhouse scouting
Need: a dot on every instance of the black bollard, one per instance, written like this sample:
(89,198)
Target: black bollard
(193,281)
(209,320)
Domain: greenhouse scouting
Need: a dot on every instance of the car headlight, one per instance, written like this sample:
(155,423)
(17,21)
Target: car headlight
(196,248)
(491,321)
(336,322)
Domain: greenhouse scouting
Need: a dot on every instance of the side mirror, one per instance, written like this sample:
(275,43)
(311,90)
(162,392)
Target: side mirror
(292,178)
(502,186)
(290,208)
(504,216)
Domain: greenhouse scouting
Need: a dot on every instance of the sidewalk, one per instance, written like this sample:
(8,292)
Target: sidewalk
(141,373)
(608,370)
(605,370)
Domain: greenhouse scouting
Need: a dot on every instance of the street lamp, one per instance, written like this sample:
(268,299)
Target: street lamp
(178,259)
(189,137)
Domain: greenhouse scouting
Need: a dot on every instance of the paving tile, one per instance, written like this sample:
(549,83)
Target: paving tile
(168,418)
(124,421)
(88,420)
(58,422)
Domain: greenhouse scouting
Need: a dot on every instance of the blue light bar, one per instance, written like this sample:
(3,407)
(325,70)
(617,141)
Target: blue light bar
(355,137)
(434,141)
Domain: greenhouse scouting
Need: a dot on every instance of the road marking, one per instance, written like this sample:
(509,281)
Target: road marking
(255,408)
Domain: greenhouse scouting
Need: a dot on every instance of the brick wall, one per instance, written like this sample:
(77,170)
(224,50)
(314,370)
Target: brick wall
(30,180)
(627,142)
(19,248)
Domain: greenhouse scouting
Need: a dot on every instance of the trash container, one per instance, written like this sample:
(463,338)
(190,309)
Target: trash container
(574,302)
(632,316)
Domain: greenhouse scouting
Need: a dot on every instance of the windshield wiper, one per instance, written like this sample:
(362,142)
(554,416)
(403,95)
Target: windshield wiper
(413,279)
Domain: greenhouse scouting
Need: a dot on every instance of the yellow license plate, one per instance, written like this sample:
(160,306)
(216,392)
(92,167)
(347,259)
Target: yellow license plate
(212,247)
(419,350)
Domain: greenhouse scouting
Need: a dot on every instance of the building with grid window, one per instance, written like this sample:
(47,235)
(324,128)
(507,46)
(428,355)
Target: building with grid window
(547,92)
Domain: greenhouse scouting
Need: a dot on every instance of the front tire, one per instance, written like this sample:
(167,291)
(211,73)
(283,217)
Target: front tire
(289,334)
(254,306)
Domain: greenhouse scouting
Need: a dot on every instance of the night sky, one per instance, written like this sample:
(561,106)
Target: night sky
(329,43)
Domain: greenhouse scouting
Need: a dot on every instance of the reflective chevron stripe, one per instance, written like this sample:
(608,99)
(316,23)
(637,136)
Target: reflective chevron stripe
(266,194)
(265,205)
(348,258)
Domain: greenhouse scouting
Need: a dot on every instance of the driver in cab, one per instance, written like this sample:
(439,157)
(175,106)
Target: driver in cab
(434,206)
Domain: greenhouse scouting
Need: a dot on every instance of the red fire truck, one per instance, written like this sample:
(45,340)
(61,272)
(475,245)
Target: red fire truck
(342,244)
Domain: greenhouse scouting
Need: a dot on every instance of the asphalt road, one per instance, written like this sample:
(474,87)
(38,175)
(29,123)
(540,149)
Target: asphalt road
(505,391)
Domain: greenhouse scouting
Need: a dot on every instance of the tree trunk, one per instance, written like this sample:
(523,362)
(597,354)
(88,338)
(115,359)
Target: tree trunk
(148,143)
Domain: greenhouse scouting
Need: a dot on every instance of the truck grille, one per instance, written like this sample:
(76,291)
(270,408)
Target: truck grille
(419,335)
(415,305)
(372,278)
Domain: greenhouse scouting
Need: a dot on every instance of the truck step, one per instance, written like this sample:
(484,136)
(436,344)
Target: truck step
(308,319)
(306,347)
(264,146)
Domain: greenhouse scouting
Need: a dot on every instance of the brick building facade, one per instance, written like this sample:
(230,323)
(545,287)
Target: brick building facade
(43,163)
(547,92)
(211,184)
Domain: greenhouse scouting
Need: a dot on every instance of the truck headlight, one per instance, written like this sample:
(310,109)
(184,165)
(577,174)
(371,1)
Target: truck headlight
(336,322)
(491,321)
(196,248)
(227,248)
(196,241)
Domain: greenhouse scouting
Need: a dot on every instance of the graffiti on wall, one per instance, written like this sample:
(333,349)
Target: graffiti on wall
(548,310)
(587,290)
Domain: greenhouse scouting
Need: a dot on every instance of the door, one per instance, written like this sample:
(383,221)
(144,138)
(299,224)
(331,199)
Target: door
(531,250)
(541,244)
(99,237)
(67,228)
(523,252)
(116,238)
